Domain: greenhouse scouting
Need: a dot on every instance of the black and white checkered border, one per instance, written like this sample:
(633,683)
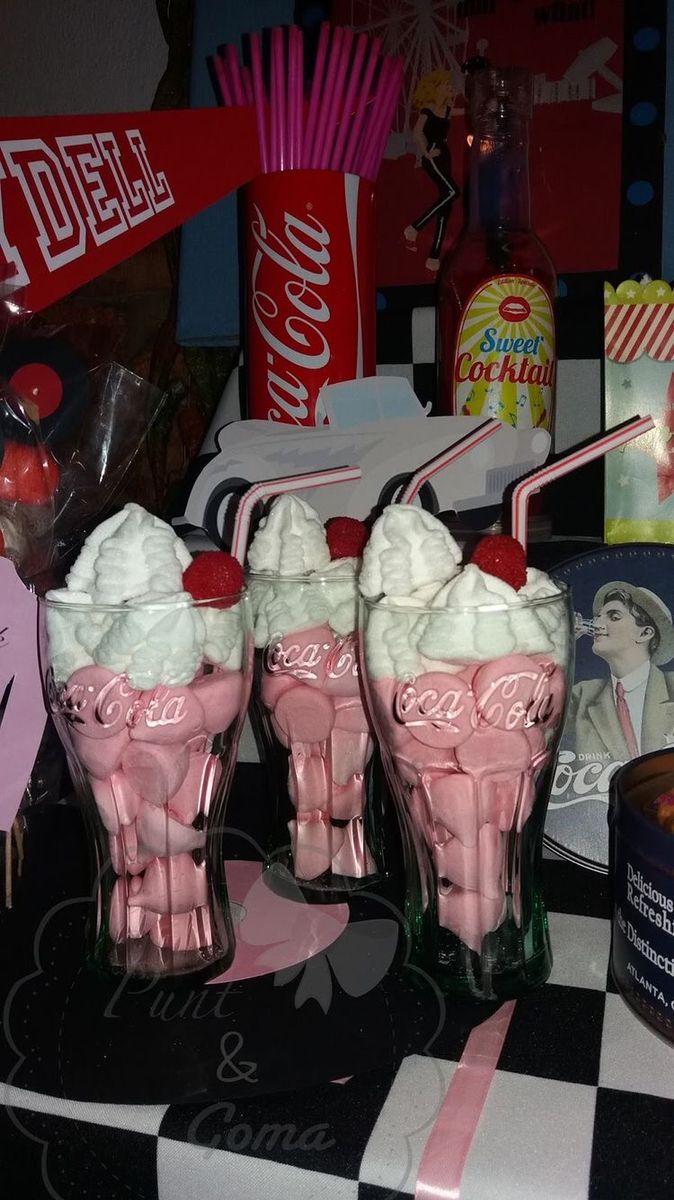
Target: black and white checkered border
(581,1106)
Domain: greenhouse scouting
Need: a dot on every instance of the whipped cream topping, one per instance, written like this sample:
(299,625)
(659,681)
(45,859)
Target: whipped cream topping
(475,617)
(129,555)
(408,548)
(326,597)
(135,562)
(290,540)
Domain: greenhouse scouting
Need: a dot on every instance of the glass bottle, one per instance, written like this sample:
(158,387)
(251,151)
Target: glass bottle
(496,334)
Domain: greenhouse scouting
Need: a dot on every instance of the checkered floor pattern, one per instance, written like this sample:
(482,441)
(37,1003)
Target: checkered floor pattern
(581,1106)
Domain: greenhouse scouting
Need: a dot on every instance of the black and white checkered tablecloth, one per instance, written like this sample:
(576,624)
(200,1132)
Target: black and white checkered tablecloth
(581,1105)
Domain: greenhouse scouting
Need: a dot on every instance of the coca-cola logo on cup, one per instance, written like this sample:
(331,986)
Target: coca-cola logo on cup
(115,704)
(429,706)
(516,700)
(303,661)
(291,267)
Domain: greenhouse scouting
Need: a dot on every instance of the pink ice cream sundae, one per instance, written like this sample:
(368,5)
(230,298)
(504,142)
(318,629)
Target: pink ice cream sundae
(304,597)
(466,671)
(148,684)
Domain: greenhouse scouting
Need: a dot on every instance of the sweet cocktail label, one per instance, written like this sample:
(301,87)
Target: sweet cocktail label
(504,363)
(22,710)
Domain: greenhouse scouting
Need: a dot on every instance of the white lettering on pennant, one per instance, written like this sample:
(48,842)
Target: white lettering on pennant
(158,186)
(9,253)
(61,230)
(82,155)
(134,196)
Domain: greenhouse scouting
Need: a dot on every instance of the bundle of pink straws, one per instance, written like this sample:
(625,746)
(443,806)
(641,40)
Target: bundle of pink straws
(342,125)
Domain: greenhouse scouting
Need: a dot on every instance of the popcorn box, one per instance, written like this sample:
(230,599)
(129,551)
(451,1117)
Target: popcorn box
(639,378)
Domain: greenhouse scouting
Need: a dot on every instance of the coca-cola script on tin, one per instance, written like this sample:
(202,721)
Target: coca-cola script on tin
(303,660)
(297,336)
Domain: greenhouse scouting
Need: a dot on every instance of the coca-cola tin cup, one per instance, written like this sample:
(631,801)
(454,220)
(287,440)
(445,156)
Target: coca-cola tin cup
(642,863)
(310,289)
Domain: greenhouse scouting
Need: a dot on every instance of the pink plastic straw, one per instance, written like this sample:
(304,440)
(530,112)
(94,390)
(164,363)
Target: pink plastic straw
(298,98)
(277,487)
(315,95)
(383,113)
(291,83)
(346,122)
(351,151)
(445,459)
(390,105)
(564,466)
(232,60)
(278,98)
(260,99)
(374,115)
(325,105)
(247,85)
(337,111)
(223,81)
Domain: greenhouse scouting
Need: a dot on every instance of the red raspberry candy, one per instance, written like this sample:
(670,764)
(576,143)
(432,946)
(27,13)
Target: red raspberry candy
(346,537)
(28,474)
(502,556)
(214,574)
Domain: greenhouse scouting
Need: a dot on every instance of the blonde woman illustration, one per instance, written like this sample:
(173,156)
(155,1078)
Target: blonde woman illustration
(432,100)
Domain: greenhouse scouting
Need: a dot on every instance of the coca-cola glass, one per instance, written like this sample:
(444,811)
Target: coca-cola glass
(152,766)
(468,738)
(309,251)
(315,734)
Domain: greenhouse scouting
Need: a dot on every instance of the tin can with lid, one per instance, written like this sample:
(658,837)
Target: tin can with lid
(642,866)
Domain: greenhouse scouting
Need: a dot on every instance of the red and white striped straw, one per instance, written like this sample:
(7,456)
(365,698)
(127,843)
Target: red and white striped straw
(445,459)
(278,487)
(597,448)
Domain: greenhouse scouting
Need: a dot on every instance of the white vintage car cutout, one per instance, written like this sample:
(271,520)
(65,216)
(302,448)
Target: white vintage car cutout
(387,452)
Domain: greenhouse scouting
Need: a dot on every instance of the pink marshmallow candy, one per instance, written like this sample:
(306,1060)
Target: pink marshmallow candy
(159,835)
(353,859)
(125,920)
(100,756)
(305,715)
(155,772)
(470,915)
(199,789)
(116,801)
(308,783)
(315,842)
(350,714)
(172,885)
(220,696)
(477,868)
(273,685)
(350,754)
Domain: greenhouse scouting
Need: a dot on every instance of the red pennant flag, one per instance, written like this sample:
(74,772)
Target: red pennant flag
(80,194)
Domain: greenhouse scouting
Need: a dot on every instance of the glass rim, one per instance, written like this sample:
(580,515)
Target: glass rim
(381,605)
(318,577)
(167,605)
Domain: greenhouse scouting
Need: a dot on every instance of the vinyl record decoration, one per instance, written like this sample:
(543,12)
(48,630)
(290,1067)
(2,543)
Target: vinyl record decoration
(52,378)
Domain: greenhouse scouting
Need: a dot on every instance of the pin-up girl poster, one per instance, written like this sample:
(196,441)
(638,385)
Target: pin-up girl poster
(432,101)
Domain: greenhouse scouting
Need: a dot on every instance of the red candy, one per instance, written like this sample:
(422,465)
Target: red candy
(214,575)
(502,556)
(346,537)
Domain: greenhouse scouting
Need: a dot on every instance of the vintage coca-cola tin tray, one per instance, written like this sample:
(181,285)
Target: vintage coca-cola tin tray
(622,700)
